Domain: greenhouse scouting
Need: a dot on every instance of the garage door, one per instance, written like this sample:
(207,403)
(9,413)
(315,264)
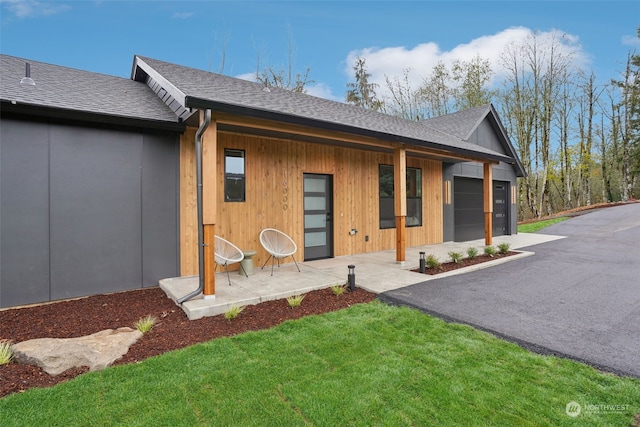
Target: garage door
(468,209)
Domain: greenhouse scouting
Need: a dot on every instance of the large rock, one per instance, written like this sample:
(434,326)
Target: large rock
(97,351)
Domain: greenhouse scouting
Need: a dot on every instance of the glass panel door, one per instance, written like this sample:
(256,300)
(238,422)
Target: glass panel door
(318,216)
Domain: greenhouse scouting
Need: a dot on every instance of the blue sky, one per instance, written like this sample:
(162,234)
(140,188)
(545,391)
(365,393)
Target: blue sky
(102,36)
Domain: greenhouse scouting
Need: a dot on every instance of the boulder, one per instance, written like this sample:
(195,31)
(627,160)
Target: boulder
(97,351)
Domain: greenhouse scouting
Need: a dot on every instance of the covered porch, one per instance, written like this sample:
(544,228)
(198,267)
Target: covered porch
(375,272)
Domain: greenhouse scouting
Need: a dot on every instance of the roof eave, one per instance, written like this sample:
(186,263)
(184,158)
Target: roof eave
(11,107)
(201,103)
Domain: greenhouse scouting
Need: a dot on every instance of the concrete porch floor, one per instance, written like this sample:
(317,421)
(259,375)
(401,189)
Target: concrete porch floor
(375,272)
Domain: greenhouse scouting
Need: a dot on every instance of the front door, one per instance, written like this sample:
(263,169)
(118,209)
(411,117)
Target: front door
(500,208)
(318,216)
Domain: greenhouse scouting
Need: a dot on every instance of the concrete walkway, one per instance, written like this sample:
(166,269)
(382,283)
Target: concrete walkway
(375,272)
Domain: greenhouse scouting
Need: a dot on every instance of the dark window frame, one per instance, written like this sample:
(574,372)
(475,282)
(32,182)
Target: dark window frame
(386,212)
(235,184)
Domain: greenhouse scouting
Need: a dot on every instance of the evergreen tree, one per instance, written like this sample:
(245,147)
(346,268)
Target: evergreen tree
(361,92)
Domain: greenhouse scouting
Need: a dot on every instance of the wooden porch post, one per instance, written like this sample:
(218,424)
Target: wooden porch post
(209,204)
(400,201)
(488,203)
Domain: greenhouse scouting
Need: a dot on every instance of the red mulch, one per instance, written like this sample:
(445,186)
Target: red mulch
(465,262)
(74,318)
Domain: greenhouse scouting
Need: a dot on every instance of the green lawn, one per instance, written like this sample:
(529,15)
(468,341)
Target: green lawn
(532,227)
(371,364)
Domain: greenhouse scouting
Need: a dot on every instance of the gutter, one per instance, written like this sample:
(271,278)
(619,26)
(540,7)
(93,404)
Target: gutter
(199,133)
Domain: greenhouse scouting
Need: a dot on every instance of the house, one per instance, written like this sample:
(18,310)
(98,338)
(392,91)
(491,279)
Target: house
(98,182)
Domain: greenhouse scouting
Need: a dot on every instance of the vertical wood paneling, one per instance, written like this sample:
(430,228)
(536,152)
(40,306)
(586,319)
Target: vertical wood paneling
(274,196)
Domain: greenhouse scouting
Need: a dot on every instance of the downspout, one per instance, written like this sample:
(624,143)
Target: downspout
(203,127)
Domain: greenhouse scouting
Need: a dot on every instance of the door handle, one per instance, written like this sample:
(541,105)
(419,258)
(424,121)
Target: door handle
(328,216)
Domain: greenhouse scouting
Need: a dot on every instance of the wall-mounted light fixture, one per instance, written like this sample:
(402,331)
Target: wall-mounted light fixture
(514,195)
(447,192)
(27,80)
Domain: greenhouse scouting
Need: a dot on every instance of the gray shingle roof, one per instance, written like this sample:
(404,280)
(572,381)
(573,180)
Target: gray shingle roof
(460,124)
(80,91)
(463,123)
(202,89)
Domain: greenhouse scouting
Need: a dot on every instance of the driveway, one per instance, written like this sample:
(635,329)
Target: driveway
(578,297)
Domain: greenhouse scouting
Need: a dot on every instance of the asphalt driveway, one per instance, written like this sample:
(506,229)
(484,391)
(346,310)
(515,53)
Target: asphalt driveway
(578,297)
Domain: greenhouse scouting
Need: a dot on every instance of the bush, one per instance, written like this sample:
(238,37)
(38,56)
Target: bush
(455,257)
(503,248)
(489,250)
(145,324)
(338,289)
(472,253)
(295,300)
(432,261)
(233,312)
(6,352)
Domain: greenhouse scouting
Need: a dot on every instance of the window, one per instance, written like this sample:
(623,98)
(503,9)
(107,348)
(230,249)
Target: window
(414,197)
(234,176)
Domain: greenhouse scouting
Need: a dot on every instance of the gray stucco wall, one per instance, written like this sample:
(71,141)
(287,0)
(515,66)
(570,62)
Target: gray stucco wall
(485,136)
(85,211)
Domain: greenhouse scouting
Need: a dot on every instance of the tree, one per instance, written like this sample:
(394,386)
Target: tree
(362,93)
(284,78)
(472,78)
(534,87)
(403,100)
(437,91)
(629,123)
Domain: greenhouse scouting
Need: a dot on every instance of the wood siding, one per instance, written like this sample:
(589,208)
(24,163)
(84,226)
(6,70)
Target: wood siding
(274,196)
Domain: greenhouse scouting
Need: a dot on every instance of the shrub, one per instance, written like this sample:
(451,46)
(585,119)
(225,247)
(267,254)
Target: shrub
(472,253)
(503,248)
(6,352)
(455,257)
(432,261)
(489,250)
(295,300)
(233,312)
(338,289)
(145,324)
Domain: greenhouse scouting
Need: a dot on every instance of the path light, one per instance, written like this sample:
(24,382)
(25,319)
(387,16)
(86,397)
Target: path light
(422,262)
(351,278)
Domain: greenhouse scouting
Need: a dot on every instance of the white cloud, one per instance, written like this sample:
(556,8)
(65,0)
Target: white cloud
(633,41)
(32,8)
(420,60)
(182,15)
(247,76)
(322,90)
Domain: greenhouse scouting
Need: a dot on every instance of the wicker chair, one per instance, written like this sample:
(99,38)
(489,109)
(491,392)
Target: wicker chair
(227,253)
(279,246)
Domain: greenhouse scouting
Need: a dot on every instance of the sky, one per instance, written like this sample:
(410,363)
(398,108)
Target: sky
(325,36)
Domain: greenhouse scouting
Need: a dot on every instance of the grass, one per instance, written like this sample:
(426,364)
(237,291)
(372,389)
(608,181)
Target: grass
(370,364)
(145,324)
(295,300)
(338,289)
(532,227)
(6,352)
(233,312)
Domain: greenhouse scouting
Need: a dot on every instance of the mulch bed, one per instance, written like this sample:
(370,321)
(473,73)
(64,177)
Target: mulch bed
(465,262)
(75,318)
